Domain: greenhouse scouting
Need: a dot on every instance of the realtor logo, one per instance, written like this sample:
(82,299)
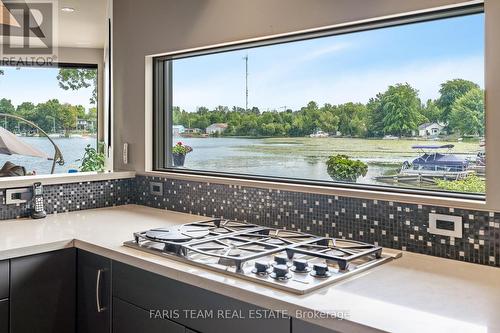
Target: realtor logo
(27,30)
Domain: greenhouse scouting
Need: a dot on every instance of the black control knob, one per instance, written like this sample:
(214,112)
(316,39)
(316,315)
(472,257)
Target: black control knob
(300,265)
(261,267)
(281,260)
(280,271)
(320,270)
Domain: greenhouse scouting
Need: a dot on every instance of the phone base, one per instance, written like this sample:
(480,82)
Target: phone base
(39,215)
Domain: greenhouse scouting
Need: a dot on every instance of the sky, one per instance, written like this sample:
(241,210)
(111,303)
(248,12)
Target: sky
(337,69)
(38,85)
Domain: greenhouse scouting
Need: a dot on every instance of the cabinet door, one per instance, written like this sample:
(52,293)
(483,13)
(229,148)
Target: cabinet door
(4,316)
(128,318)
(42,293)
(93,293)
(199,309)
(4,279)
(300,326)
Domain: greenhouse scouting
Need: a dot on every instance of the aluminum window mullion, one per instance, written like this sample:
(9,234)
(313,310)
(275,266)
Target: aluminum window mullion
(168,109)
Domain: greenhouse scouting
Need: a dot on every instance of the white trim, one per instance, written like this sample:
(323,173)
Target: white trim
(79,177)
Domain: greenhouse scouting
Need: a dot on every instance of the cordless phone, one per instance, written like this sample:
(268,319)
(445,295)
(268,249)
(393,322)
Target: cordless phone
(38,209)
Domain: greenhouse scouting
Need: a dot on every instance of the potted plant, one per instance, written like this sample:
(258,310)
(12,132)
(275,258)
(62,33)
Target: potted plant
(342,168)
(93,159)
(179,152)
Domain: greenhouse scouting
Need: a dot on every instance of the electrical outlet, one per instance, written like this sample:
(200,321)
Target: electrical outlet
(445,225)
(156,188)
(17,196)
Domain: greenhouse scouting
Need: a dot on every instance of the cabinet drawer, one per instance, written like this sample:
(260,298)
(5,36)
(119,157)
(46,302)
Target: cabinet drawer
(4,316)
(4,279)
(154,292)
(128,318)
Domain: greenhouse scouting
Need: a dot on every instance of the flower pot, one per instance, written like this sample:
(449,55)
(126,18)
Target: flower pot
(179,159)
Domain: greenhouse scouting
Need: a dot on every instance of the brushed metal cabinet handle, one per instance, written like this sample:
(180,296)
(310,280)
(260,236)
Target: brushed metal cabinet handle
(98,291)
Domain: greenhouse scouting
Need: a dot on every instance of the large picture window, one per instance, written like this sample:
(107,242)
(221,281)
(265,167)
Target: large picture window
(396,106)
(43,109)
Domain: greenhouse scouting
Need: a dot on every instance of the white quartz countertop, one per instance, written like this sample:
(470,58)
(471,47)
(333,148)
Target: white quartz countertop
(416,293)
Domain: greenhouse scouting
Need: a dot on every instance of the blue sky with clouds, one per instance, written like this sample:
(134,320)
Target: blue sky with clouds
(338,69)
(38,85)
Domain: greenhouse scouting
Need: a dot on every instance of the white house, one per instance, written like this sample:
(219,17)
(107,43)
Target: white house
(430,129)
(216,128)
(178,129)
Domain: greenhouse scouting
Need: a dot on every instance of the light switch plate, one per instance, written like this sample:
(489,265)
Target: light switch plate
(445,225)
(125,153)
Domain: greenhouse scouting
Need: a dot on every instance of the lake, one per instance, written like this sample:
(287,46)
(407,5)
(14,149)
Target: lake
(305,157)
(71,148)
(280,157)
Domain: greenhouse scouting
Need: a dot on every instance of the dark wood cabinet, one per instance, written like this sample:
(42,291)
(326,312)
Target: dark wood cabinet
(4,316)
(300,326)
(93,293)
(43,293)
(4,279)
(128,318)
(214,313)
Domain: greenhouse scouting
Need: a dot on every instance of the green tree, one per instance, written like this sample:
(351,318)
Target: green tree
(467,113)
(451,91)
(352,119)
(431,111)
(326,119)
(67,115)
(45,113)
(396,111)
(78,78)
(7,107)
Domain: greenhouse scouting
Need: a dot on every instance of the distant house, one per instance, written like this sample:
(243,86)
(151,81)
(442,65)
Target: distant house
(216,128)
(192,131)
(430,129)
(178,129)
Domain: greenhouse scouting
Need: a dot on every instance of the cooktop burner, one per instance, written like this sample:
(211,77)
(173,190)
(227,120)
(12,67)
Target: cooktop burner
(176,234)
(289,260)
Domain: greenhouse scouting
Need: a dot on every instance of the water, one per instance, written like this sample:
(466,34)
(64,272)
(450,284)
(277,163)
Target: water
(235,155)
(71,148)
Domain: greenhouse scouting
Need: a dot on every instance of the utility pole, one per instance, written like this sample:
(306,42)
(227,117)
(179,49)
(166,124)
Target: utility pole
(246,81)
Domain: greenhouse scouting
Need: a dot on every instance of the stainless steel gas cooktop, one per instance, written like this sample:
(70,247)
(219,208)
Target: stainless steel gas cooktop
(288,260)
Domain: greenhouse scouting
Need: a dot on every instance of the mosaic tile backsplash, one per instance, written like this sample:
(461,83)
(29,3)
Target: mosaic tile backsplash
(75,196)
(389,224)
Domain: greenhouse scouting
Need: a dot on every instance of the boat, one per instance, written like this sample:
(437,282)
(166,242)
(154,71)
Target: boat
(390,137)
(437,165)
(319,134)
(432,165)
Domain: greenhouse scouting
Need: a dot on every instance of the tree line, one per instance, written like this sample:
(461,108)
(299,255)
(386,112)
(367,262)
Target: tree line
(51,116)
(397,111)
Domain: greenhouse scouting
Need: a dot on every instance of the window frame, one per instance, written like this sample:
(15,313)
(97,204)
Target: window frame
(162,103)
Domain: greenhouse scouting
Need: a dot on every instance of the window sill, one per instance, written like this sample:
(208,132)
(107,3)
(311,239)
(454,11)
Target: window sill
(63,178)
(419,199)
